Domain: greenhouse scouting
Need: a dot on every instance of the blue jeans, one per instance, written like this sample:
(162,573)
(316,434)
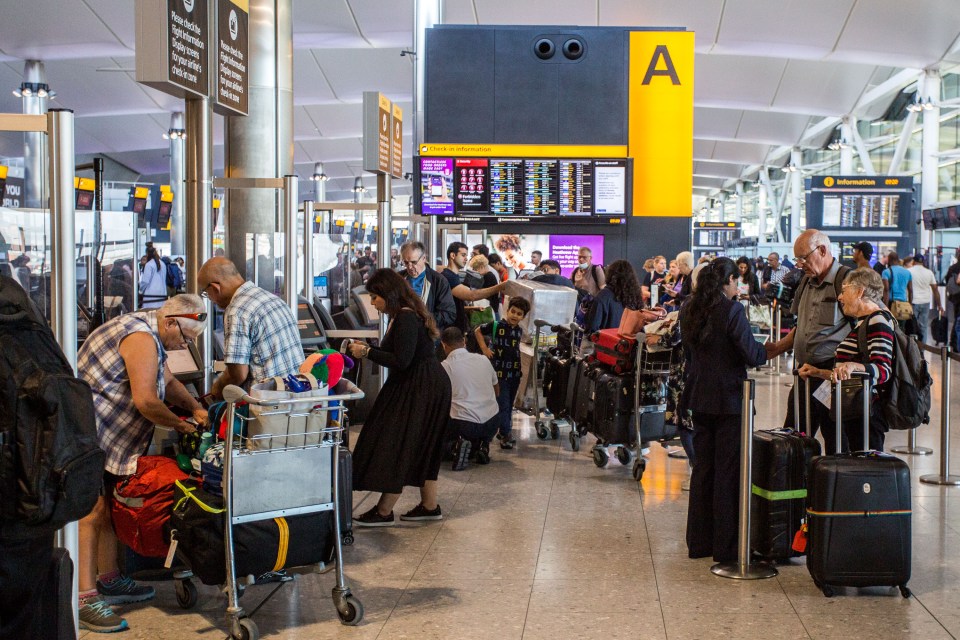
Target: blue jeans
(921,313)
(508,393)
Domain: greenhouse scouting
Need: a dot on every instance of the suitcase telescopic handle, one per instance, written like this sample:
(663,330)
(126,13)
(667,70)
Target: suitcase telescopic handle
(801,386)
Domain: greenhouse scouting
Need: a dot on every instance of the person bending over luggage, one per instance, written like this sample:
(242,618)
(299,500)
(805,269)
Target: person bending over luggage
(401,443)
(125,363)
(622,291)
(504,351)
(473,408)
(861,297)
(260,334)
(718,347)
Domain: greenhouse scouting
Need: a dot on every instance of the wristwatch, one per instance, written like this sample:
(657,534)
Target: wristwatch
(366,350)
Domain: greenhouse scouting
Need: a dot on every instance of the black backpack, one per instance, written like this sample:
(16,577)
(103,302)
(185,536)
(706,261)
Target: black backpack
(905,403)
(51,468)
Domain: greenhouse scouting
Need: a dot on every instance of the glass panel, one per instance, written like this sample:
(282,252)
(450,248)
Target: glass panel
(25,252)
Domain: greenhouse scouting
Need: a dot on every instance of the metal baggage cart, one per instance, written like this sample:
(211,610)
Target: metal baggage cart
(549,428)
(273,479)
(650,400)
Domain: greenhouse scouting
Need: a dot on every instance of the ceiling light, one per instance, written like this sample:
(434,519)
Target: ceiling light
(175,134)
(790,168)
(31,89)
(358,185)
(318,174)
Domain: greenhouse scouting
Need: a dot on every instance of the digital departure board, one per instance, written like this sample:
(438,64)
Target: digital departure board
(573,189)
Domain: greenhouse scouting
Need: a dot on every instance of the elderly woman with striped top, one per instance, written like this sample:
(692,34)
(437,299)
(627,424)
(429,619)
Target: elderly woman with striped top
(861,298)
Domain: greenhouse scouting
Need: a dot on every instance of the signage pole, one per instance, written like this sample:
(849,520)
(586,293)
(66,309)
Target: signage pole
(308,216)
(290,197)
(198,210)
(384,196)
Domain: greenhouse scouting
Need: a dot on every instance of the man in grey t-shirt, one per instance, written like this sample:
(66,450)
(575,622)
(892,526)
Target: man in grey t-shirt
(821,325)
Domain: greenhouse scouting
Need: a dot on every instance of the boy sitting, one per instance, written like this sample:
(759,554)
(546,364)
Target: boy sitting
(504,351)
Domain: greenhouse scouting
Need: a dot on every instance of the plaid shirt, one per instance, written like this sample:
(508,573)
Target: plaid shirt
(122,431)
(261,332)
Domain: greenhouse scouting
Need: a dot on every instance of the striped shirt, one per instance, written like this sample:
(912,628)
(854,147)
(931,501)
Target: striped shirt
(880,337)
(261,332)
(122,431)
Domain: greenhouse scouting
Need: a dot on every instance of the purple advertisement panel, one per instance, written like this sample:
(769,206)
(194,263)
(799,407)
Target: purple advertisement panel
(564,249)
(436,186)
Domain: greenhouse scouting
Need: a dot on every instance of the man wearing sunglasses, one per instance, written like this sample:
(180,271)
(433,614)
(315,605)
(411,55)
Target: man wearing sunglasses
(260,336)
(821,325)
(125,363)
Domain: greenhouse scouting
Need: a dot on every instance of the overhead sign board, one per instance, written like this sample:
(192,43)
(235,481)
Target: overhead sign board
(232,57)
(172,46)
(377,132)
(396,149)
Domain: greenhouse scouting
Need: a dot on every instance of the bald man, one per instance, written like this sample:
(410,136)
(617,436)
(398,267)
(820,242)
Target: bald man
(261,339)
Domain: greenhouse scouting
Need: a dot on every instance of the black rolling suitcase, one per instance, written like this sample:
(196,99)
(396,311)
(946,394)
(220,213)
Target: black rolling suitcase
(556,380)
(613,409)
(938,329)
(345,484)
(56,606)
(859,518)
(581,410)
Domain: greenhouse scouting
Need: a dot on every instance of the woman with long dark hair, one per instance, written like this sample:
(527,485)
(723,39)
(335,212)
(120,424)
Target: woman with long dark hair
(153,281)
(748,284)
(718,348)
(401,442)
(622,292)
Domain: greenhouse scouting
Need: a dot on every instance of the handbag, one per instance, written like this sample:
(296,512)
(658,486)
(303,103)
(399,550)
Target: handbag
(901,310)
(287,425)
(633,321)
(851,402)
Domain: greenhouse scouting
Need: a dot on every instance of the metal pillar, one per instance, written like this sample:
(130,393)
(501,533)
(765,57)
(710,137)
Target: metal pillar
(944,477)
(260,145)
(743,569)
(308,216)
(764,201)
(738,212)
(178,240)
(63,271)
(903,143)
(198,210)
(289,218)
(384,222)
(846,147)
(34,92)
(426,14)
(319,183)
(796,195)
(930,173)
(862,151)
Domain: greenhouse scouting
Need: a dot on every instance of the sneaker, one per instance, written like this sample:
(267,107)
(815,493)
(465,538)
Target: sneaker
(461,453)
(508,442)
(483,453)
(273,576)
(685,485)
(96,615)
(420,512)
(124,590)
(373,518)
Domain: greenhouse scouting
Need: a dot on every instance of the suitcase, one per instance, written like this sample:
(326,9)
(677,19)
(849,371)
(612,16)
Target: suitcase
(345,484)
(781,458)
(859,519)
(613,409)
(613,350)
(581,409)
(56,605)
(938,329)
(556,380)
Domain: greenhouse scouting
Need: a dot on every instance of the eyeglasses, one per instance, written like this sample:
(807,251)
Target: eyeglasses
(804,258)
(183,339)
(203,292)
(199,317)
(411,263)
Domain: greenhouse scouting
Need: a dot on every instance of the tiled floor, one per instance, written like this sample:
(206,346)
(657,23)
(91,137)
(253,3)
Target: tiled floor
(541,544)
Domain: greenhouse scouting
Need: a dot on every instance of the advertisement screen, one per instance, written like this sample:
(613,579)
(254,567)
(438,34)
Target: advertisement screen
(565,248)
(515,249)
(436,186)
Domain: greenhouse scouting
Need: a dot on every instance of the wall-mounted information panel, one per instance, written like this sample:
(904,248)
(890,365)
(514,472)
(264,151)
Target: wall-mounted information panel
(512,183)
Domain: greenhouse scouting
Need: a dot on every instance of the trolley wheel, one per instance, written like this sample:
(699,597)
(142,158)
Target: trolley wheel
(827,591)
(248,630)
(639,466)
(574,440)
(600,458)
(347,538)
(554,430)
(623,456)
(542,431)
(187,594)
(353,614)
(904,591)
(581,430)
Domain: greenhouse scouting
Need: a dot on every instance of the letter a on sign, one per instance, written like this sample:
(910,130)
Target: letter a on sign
(661,122)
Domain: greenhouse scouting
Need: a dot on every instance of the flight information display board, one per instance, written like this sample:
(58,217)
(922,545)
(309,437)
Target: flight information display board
(515,189)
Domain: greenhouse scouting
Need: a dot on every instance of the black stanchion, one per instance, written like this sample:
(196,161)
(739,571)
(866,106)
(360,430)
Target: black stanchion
(944,478)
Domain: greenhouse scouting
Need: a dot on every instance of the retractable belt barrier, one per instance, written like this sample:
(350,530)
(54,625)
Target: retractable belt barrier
(943,478)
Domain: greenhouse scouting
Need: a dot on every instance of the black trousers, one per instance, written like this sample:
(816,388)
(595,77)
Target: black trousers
(25,567)
(713,515)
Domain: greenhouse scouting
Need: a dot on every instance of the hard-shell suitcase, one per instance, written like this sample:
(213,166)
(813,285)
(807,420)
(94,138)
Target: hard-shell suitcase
(556,379)
(615,351)
(781,458)
(859,517)
(938,329)
(345,485)
(582,408)
(613,421)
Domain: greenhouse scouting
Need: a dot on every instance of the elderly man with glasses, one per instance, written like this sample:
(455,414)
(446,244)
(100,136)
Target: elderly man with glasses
(432,287)
(260,336)
(821,324)
(125,363)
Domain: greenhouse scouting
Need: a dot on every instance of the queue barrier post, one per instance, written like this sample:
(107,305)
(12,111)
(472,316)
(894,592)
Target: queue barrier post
(775,323)
(743,569)
(944,478)
(912,449)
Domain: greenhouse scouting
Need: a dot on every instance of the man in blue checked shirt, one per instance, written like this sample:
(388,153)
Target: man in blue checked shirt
(261,339)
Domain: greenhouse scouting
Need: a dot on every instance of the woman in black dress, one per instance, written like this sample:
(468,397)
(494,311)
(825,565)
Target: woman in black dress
(400,444)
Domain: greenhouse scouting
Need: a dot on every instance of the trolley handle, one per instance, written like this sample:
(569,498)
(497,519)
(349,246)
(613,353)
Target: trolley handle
(345,389)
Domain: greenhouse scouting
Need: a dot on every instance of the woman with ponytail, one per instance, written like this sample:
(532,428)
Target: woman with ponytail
(718,348)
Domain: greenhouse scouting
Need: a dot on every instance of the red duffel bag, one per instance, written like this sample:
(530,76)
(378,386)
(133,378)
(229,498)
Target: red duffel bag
(142,504)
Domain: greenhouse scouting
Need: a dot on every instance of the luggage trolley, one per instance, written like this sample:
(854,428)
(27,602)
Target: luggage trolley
(650,400)
(266,477)
(549,429)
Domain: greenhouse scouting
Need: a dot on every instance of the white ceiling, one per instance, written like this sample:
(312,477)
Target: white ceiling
(767,71)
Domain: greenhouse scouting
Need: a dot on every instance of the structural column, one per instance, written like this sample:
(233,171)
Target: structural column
(930,177)
(427,13)
(846,147)
(260,145)
(198,207)
(177,133)
(739,210)
(796,194)
(35,92)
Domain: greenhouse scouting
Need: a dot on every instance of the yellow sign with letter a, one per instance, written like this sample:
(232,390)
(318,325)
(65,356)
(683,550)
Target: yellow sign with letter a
(661,122)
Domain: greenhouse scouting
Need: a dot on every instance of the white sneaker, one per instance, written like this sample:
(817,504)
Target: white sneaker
(685,485)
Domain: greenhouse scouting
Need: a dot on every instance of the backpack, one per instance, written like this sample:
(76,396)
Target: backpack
(142,503)
(174,274)
(51,467)
(905,404)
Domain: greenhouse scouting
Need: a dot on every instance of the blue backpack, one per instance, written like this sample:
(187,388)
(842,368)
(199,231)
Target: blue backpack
(174,274)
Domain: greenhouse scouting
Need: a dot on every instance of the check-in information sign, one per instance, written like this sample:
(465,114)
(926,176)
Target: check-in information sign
(376,132)
(187,44)
(233,77)
(396,151)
